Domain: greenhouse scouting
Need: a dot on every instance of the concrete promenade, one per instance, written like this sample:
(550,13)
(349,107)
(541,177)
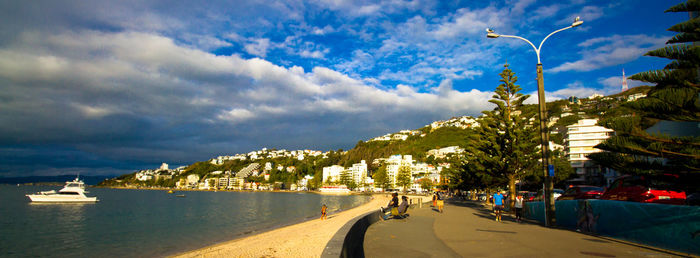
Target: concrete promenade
(467,229)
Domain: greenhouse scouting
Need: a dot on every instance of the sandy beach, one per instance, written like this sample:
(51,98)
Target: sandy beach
(306,239)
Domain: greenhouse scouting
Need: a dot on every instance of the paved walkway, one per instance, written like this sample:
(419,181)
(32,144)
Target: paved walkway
(466,229)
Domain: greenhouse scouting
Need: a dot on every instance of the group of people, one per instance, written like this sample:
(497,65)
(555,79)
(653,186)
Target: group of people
(498,200)
(396,209)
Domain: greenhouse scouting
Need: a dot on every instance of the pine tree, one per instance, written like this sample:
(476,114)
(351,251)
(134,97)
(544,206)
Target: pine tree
(380,177)
(403,177)
(506,147)
(674,98)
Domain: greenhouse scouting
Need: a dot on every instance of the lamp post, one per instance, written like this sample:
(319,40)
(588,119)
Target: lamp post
(550,218)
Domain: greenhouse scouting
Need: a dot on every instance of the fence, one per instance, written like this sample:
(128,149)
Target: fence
(673,227)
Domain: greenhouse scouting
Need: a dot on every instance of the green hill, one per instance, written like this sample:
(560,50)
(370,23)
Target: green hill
(414,145)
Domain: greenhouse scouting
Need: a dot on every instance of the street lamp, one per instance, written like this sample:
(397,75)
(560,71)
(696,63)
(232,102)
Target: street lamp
(550,218)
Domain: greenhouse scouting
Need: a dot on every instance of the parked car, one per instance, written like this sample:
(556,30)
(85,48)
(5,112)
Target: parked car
(577,192)
(646,188)
(528,196)
(693,199)
(555,194)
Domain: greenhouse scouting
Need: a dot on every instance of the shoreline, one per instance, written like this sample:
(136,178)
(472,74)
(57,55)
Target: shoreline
(233,191)
(304,239)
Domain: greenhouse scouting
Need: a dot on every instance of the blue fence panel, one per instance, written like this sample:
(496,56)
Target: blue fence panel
(673,227)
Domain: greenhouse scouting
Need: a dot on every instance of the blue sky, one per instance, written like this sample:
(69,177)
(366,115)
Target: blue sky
(109,87)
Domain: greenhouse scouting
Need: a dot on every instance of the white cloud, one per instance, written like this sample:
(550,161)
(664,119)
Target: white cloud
(609,51)
(587,14)
(144,77)
(236,115)
(614,83)
(545,12)
(520,6)
(322,31)
(466,21)
(576,88)
(258,47)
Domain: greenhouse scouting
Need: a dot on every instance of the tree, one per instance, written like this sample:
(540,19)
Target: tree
(403,177)
(506,143)
(380,177)
(634,149)
(426,184)
(346,178)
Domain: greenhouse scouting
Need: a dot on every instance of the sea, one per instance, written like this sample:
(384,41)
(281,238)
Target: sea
(148,223)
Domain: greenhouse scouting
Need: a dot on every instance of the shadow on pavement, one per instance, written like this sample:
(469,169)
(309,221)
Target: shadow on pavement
(497,231)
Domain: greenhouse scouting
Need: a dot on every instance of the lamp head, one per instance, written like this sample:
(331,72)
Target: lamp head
(577,22)
(491,34)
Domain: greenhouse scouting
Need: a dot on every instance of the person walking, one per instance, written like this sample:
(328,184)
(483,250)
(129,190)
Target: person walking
(323,212)
(519,208)
(440,203)
(498,205)
(435,197)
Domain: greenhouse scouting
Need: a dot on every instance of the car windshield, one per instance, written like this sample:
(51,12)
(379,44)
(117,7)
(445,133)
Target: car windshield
(662,183)
(591,188)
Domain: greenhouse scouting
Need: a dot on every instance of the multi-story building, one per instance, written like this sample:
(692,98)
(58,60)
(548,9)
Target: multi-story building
(393,164)
(223,182)
(359,172)
(580,141)
(332,173)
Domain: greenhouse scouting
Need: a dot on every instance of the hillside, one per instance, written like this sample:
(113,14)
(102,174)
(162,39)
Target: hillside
(413,145)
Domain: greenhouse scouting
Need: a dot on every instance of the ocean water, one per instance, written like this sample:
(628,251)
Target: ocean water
(147,223)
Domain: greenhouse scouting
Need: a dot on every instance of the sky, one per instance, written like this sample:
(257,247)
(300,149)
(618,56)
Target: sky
(111,87)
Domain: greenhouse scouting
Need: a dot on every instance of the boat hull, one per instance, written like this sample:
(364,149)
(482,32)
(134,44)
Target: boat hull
(49,198)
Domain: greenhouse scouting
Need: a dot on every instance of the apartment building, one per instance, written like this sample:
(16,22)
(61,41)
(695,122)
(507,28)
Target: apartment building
(580,141)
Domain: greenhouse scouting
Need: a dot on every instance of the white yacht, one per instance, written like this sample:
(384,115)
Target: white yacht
(74,191)
(341,189)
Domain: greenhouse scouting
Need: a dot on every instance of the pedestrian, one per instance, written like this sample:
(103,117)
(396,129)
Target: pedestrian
(440,203)
(323,211)
(519,208)
(435,197)
(498,205)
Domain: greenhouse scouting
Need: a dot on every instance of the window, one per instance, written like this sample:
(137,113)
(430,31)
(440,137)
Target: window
(69,193)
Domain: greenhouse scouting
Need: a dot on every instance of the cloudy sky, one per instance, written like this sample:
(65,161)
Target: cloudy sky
(109,87)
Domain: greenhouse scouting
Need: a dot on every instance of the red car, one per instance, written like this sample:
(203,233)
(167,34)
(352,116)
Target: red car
(646,188)
(577,192)
(529,196)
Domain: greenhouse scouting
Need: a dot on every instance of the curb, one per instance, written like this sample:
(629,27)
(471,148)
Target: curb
(349,240)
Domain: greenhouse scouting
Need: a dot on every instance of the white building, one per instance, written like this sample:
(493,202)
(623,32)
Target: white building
(302,183)
(359,172)
(393,164)
(223,182)
(144,176)
(580,141)
(443,152)
(192,180)
(595,95)
(636,96)
(332,173)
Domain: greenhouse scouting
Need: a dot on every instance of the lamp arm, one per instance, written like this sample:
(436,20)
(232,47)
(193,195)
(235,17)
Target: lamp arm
(550,34)
(537,51)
